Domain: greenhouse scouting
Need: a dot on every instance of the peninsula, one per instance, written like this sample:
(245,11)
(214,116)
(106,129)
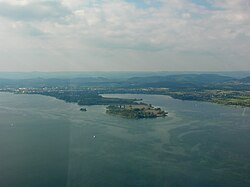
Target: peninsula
(213,88)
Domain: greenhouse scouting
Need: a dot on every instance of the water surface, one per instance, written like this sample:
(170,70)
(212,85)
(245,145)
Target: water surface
(47,142)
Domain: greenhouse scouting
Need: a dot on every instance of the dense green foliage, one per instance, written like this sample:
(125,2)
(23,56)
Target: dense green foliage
(85,97)
(134,112)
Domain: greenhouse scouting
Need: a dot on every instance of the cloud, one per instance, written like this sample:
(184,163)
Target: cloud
(32,11)
(99,30)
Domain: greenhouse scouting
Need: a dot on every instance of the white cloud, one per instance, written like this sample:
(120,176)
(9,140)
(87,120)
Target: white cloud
(177,30)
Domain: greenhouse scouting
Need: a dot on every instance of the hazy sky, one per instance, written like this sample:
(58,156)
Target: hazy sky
(104,35)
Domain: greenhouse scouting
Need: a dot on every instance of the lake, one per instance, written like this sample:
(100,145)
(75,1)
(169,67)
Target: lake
(45,142)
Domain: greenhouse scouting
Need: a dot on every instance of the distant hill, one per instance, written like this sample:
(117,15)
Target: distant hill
(186,80)
(53,82)
(246,80)
(122,75)
(180,81)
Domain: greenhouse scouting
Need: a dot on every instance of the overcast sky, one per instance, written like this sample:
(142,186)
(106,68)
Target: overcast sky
(124,35)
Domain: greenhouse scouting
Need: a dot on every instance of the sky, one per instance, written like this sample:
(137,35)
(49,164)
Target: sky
(124,35)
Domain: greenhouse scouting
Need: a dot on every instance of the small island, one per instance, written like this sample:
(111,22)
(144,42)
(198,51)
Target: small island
(136,111)
(83,109)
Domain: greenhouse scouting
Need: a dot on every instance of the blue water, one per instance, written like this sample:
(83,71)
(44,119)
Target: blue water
(45,142)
